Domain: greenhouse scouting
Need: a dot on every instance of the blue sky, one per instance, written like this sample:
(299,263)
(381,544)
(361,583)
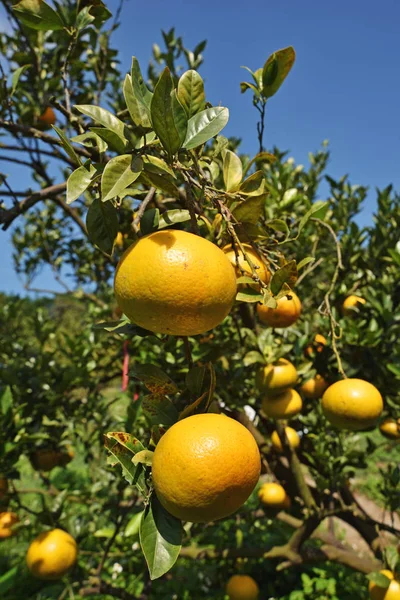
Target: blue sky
(344,86)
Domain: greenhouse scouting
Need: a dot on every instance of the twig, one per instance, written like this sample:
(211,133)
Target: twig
(146,200)
(311,268)
(326,301)
(53,153)
(261,124)
(42,135)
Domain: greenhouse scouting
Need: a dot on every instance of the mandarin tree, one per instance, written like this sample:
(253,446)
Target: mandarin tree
(203,328)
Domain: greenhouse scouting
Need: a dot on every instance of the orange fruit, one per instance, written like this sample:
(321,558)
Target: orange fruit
(292,436)
(286,405)
(242,267)
(317,345)
(314,388)
(205,467)
(285,314)
(52,554)
(273,495)
(175,282)
(7,520)
(242,587)
(119,240)
(350,303)
(390,593)
(352,404)
(47,118)
(390,429)
(46,459)
(276,378)
(3,487)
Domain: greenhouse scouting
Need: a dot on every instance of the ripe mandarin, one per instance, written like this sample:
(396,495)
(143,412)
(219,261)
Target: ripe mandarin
(285,314)
(352,404)
(175,282)
(205,467)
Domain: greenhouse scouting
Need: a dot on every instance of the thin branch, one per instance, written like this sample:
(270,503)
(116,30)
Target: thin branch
(327,302)
(54,153)
(42,135)
(145,202)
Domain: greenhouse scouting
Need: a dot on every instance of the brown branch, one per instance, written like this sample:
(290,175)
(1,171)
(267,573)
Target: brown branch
(7,216)
(145,202)
(42,135)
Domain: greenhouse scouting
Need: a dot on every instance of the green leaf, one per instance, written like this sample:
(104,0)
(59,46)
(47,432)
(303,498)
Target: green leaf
(317,211)
(221,143)
(286,274)
(379,579)
(160,538)
(122,326)
(161,182)
(205,125)
(36,14)
(149,221)
(121,447)
(16,76)
(392,558)
(249,295)
(90,139)
(167,114)
(118,174)
(252,358)
(250,210)
(69,149)
(245,85)
(159,410)
(145,457)
(139,105)
(191,92)
(102,224)
(195,378)
(279,225)
(154,164)
(253,185)
(111,139)
(107,120)
(6,401)
(155,379)
(84,18)
(270,71)
(260,158)
(304,262)
(170,217)
(79,181)
(138,111)
(276,69)
(133,525)
(8,580)
(232,170)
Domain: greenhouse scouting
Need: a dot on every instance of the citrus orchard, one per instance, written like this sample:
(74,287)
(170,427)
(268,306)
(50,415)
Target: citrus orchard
(285,314)
(52,554)
(205,467)
(352,404)
(175,282)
